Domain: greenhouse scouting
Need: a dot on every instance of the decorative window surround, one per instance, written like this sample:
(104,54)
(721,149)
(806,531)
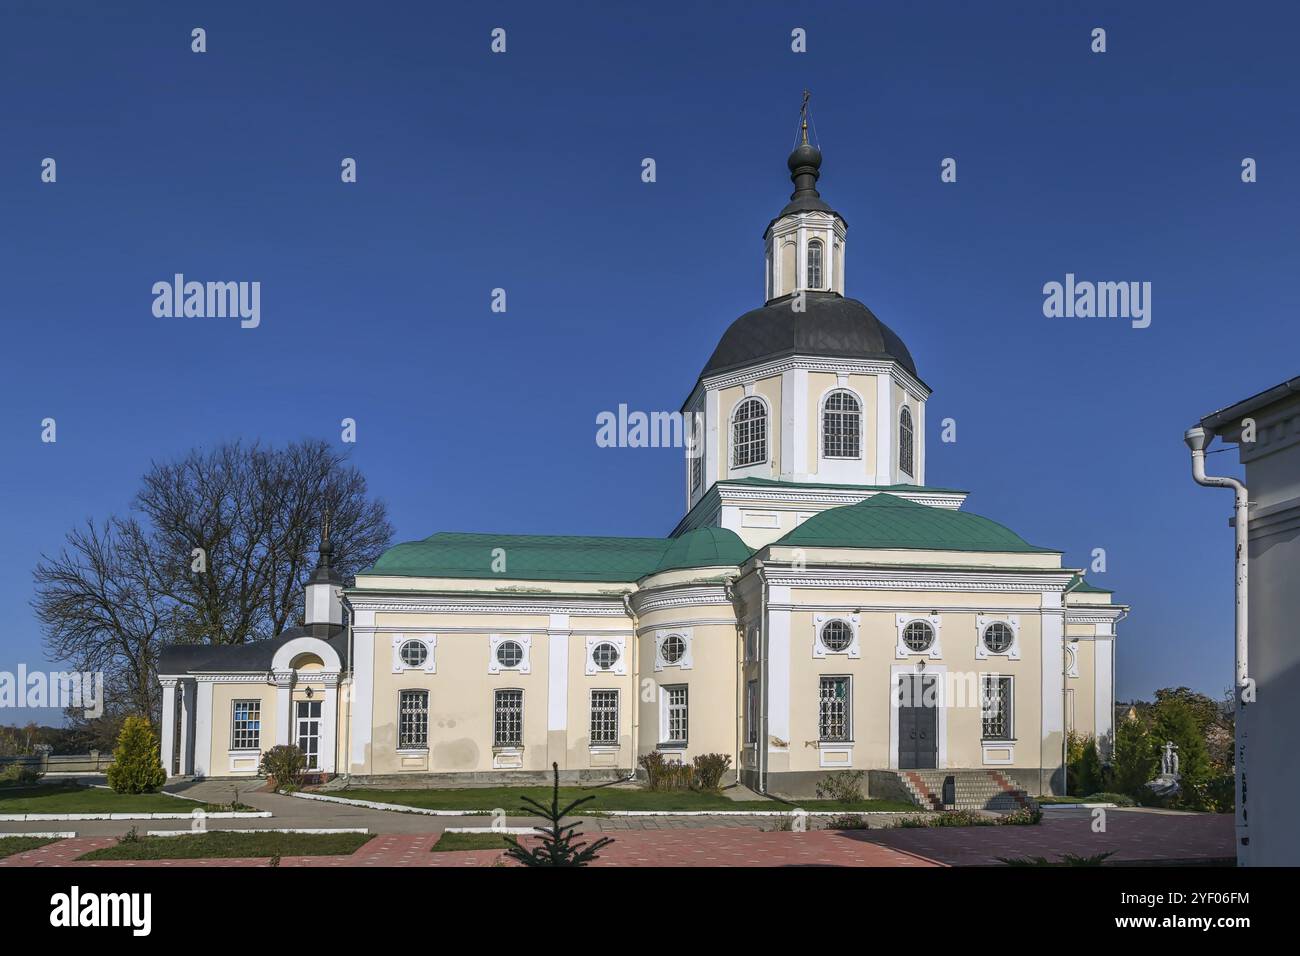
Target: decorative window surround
(1071,659)
(853,651)
(620,666)
(903,652)
(525,665)
(685,662)
(430,642)
(1012,621)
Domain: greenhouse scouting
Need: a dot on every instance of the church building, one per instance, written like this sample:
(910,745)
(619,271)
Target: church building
(818,608)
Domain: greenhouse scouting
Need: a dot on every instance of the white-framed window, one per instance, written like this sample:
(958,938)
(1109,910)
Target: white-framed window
(414,653)
(508,718)
(841,425)
(697,472)
(918,634)
(673,648)
(751,712)
(815,251)
(995,707)
(695,448)
(833,717)
(997,637)
(749,433)
(906,442)
(246,725)
(604,718)
(835,634)
(413,720)
(674,715)
(606,655)
(510,652)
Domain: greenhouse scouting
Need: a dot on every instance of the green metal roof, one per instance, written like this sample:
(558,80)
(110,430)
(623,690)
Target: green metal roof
(558,557)
(704,548)
(774,483)
(1081,585)
(886,521)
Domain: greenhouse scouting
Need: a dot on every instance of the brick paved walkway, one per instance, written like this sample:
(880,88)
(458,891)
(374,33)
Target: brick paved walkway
(1132,834)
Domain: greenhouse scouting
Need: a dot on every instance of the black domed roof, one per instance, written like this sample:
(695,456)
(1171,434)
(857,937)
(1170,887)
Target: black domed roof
(831,326)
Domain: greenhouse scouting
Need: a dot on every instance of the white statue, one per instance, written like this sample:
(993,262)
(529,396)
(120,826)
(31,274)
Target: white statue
(1169,760)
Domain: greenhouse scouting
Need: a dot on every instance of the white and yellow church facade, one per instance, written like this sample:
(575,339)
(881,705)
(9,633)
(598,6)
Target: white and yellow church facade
(818,608)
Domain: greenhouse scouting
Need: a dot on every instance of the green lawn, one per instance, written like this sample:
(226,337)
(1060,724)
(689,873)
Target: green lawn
(226,844)
(450,842)
(70,798)
(20,844)
(606,798)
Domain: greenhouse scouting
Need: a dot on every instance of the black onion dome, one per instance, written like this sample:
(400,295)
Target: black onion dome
(831,326)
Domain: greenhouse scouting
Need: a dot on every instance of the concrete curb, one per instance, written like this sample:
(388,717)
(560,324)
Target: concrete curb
(1079,806)
(52,817)
(513,831)
(403,808)
(48,835)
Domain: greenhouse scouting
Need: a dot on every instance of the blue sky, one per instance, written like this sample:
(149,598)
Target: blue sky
(522,171)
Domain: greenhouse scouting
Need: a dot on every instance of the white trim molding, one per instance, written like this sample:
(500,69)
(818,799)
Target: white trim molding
(525,665)
(620,666)
(902,652)
(430,642)
(982,622)
(685,662)
(819,650)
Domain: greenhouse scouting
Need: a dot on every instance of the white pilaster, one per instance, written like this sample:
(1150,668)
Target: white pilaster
(557,673)
(884,428)
(283,707)
(328,722)
(363,689)
(778,669)
(920,443)
(203,729)
(1053,679)
(714,469)
(167,743)
(1104,694)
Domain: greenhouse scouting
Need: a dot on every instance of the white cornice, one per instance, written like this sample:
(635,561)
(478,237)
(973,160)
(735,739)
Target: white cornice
(729,494)
(481,604)
(774,367)
(926,579)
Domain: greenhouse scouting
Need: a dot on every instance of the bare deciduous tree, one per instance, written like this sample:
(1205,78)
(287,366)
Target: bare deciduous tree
(219,552)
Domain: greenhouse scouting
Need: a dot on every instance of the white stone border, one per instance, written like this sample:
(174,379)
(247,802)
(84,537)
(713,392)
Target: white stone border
(1080,806)
(47,835)
(322,830)
(41,817)
(404,808)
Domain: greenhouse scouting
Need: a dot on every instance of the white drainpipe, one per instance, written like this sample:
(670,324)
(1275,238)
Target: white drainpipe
(1197,439)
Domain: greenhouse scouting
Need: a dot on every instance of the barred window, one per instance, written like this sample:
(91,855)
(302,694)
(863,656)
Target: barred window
(749,434)
(697,472)
(246,725)
(751,712)
(508,718)
(998,637)
(905,442)
(842,426)
(815,264)
(673,649)
(918,636)
(414,653)
(413,720)
(675,707)
(510,653)
(604,716)
(836,636)
(833,722)
(996,706)
(604,655)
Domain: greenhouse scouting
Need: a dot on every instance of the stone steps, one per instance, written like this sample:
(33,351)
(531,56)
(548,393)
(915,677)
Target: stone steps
(973,790)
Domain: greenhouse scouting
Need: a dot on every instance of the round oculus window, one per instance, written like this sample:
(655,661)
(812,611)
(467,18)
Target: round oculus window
(605,655)
(836,635)
(510,653)
(998,637)
(918,636)
(414,653)
(673,648)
